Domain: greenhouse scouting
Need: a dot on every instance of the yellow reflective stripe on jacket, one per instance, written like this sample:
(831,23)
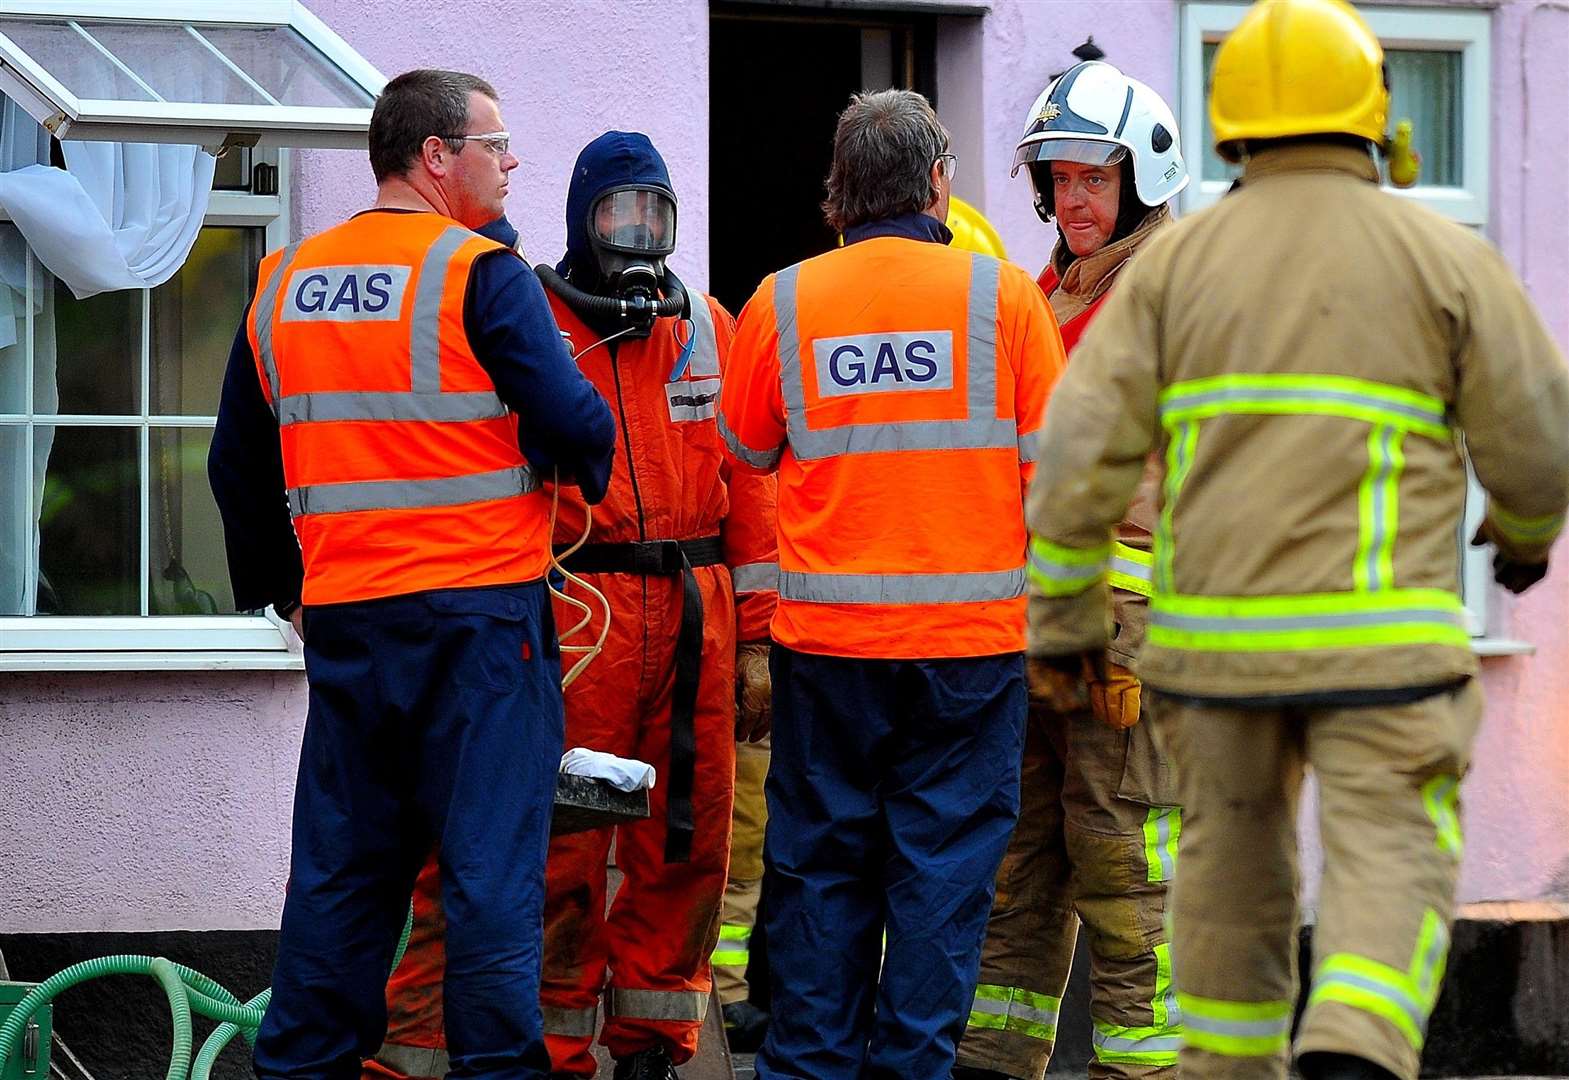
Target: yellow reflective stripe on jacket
(1321,395)
(1236,1028)
(1403,999)
(1441,800)
(1063,571)
(1162,829)
(1155,1045)
(1316,621)
(1378,510)
(1179,459)
(1015,1009)
(1528,532)
(1131,569)
(733,949)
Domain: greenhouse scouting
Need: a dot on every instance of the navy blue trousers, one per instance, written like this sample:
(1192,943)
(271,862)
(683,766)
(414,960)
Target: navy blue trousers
(892,792)
(435,719)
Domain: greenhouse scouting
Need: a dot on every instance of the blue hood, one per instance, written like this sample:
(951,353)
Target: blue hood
(615,159)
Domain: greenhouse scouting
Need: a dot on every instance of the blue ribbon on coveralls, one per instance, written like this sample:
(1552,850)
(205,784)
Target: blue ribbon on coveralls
(685,359)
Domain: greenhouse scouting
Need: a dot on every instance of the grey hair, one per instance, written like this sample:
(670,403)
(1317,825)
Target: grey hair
(884,148)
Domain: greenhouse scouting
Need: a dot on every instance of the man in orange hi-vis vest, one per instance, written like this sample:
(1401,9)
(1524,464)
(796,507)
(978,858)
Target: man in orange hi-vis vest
(896,385)
(400,391)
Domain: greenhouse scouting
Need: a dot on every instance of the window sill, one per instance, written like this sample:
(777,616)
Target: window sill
(1491,646)
(134,660)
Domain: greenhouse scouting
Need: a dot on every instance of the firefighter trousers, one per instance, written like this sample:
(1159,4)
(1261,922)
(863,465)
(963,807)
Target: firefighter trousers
(745,884)
(1096,840)
(1388,783)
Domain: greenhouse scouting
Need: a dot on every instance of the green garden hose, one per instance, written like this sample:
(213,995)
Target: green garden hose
(188,991)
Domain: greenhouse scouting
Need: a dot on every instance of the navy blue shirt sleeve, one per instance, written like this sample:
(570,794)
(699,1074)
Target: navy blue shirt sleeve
(563,422)
(245,468)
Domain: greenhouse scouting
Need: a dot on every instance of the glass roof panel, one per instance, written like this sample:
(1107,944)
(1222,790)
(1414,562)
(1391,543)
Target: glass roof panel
(287,66)
(176,63)
(72,59)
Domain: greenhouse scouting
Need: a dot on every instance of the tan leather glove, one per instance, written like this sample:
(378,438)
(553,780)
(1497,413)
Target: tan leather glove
(1054,683)
(1113,689)
(754,692)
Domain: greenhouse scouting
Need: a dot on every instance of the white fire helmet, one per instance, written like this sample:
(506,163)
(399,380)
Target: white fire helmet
(1093,114)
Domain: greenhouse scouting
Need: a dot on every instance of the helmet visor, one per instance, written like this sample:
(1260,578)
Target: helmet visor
(1082,151)
(635,219)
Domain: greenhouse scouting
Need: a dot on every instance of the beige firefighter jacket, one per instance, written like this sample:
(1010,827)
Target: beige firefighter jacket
(1305,356)
(1080,284)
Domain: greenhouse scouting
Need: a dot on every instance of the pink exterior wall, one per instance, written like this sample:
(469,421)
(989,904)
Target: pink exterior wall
(162,801)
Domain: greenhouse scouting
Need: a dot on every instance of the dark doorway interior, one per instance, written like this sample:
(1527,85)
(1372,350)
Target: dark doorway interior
(780,77)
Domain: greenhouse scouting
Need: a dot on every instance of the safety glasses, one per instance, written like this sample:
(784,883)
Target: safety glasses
(498,141)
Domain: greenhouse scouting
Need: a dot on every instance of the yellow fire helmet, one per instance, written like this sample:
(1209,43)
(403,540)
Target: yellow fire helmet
(971,230)
(1298,67)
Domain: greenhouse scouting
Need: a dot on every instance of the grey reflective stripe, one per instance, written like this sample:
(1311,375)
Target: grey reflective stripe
(901,588)
(1120,565)
(266,304)
(578,1023)
(1389,993)
(377,405)
(758,459)
(425,320)
(1029,448)
(1014,1008)
(755,577)
(704,360)
(1242,1029)
(1186,401)
(1148,1044)
(692,399)
(657,1004)
(411,494)
(413,1061)
(1065,571)
(1306,622)
(980,430)
(1163,852)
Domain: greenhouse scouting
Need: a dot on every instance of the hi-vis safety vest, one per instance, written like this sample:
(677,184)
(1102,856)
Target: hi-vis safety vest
(901,415)
(402,464)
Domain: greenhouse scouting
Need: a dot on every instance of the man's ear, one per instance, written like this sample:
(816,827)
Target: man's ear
(434,155)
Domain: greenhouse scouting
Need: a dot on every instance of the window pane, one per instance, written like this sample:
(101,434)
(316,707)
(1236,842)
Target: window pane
(98,349)
(174,63)
(1424,87)
(15,528)
(71,58)
(194,318)
(233,170)
(287,66)
(1214,167)
(89,521)
(188,570)
(14,265)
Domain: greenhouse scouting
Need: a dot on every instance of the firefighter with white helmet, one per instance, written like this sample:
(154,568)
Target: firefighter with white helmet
(1098,824)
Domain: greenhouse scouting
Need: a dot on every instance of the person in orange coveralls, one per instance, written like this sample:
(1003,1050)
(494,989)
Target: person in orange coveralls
(685,551)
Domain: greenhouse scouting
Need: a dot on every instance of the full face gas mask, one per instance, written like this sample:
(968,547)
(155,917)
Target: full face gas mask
(631,231)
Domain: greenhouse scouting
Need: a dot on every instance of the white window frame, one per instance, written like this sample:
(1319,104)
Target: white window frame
(160,642)
(66,116)
(1440,29)
(1446,30)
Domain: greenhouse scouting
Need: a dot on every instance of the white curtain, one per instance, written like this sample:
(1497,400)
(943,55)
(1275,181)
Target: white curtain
(119,216)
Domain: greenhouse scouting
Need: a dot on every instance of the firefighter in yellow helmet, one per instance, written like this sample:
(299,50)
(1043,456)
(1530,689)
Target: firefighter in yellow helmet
(1308,389)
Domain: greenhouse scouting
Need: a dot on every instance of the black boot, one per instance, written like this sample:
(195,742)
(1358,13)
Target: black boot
(650,1064)
(1324,1065)
(745,1026)
(965,1072)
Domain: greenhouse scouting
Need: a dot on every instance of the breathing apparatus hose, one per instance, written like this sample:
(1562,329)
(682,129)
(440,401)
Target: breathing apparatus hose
(598,308)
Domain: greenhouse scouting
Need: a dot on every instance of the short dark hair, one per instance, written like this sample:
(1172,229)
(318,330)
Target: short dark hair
(884,149)
(413,107)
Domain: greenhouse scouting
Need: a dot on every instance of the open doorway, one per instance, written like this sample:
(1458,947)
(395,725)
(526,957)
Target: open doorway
(781,76)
